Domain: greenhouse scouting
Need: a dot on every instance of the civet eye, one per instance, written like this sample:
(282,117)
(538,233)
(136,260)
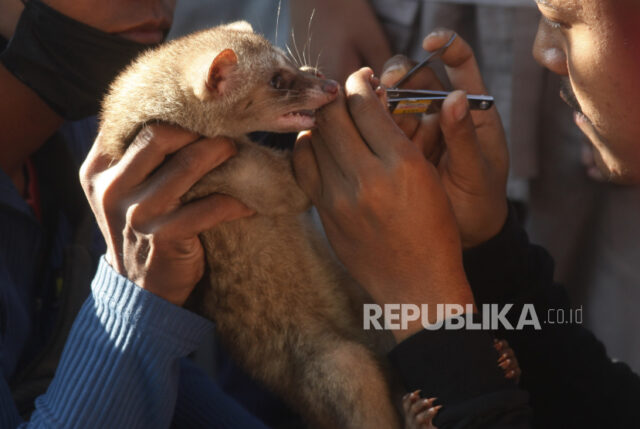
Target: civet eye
(277,81)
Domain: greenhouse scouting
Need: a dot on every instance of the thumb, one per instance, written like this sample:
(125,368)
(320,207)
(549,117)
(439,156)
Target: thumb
(394,69)
(464,155)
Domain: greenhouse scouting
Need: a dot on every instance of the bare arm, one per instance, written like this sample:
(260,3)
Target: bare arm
(342,36)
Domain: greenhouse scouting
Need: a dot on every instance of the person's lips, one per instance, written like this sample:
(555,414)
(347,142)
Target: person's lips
(580,119)
(147,33)
(569,97)
(566,93)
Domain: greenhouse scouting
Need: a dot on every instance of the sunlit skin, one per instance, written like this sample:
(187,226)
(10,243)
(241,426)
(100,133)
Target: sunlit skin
(594,44)
(144,21)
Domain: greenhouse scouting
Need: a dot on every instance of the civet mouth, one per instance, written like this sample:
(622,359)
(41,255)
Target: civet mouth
(306,113)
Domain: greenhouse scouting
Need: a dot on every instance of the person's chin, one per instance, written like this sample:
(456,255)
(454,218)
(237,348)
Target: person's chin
(614,169)
(621,177)
(615,174)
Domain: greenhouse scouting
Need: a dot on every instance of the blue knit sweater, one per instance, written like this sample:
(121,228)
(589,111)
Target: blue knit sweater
(123,364)
(122,368)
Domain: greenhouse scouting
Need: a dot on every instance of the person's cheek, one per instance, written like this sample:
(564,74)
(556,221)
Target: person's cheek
(604,65)
(589,65)
(626,15)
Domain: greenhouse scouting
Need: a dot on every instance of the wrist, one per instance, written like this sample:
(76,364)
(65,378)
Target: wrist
(436,314)
(154,283)
(176,297)
(146,312)
(487,230)
(433,300)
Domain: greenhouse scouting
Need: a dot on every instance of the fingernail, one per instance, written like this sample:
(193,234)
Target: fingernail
(304,134)
(394,68)
(393,73)
(461,108)
(437,33)
(241,213)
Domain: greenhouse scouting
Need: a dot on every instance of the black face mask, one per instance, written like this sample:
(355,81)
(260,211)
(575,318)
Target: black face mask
(67,63)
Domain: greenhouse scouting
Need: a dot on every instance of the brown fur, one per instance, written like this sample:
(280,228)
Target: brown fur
(280,301)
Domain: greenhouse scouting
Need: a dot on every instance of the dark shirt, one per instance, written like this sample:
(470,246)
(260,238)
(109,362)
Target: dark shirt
(571,381)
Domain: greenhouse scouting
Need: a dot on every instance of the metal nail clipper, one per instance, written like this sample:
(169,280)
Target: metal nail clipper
(403,101)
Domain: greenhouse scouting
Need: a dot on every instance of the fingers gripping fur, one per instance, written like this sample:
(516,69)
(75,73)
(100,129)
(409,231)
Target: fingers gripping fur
(258,177)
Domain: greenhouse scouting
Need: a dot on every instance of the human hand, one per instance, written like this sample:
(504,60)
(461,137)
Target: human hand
(468,148)
(381,202)
(342,37)
(151,236)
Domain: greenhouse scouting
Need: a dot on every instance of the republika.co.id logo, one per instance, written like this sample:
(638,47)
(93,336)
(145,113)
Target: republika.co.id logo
(456,317)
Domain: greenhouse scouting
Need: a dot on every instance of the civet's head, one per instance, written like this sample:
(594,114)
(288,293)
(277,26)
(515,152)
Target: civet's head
(253,86)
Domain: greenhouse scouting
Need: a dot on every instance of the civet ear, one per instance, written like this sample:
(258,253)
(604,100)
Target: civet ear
(219,76)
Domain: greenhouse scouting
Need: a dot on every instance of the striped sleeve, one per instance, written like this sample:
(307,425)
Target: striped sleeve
(120,365)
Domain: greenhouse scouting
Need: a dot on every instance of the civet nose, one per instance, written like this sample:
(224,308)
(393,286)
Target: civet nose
(330,86)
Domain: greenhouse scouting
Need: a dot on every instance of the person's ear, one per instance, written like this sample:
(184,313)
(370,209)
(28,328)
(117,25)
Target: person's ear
(219,78)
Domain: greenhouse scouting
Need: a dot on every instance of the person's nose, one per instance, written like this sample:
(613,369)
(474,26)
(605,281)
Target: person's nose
(548,50)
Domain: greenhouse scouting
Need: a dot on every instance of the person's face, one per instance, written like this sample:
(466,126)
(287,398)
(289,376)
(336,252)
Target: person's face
(143,21)
(595,46)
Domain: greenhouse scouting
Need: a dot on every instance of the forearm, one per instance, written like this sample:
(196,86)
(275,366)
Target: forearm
(507,268)
(120,366)
(201,403)
(315,17)
(338,36)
